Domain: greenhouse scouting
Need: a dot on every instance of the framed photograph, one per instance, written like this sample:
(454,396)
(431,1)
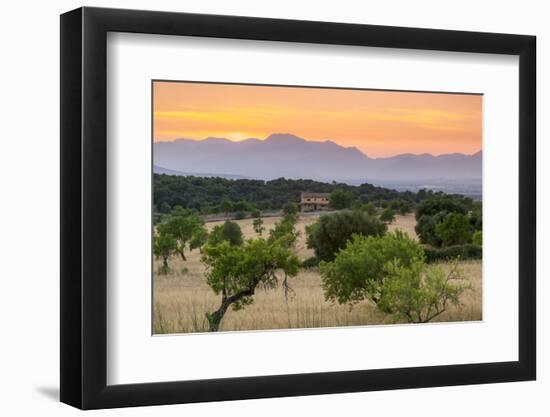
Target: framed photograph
(256,208)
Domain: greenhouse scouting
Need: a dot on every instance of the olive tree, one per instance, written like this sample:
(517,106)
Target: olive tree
(258,225)
(391,272)
(182,225)
(234,272)
(198,239)
(358,271)
(419,293)
(164,245)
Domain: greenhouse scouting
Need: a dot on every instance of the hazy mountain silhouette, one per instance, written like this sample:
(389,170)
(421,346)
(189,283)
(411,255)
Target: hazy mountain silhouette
(161,170)
(289,156)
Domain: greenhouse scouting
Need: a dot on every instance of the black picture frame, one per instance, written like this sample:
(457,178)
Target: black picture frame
(84,207)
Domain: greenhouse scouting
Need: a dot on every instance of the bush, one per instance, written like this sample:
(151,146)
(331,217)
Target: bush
(341,199)
(291,209)
(477,238)
(333,231)
(229,231)
(463,252)
(454,230)
(368,208)
(240,215)
(448,204)
(387,216)
(358,271)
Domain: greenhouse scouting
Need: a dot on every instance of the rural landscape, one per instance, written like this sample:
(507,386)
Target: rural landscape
(284,232)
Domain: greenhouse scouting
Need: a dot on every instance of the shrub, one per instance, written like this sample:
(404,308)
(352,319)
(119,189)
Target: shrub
(341,199)
(358,271)
(258,225)
(387,216)
(439,204)
(290,209)
(391,272)
(228,231)
(333,231)
(477,238)
(369,208)
(467,251)
(455,229)
(419,293)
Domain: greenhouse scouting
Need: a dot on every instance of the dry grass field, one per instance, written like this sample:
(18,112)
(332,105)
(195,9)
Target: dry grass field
(182,297)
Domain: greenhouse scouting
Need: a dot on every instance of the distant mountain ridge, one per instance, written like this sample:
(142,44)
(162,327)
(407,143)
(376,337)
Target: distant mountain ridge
(289,156)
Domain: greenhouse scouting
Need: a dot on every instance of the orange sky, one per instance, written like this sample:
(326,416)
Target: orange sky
(379,123)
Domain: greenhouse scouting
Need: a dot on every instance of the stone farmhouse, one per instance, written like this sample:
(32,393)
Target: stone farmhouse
(314,202)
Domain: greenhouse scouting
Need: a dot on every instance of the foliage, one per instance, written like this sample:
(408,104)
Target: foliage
(359,270)
(226,207)
(164,245)
(215,195)
(228,231)
(477,238)
(332,231)
(239,215)
(401,206)
(290,209)
(284,231)
(199,238)
(341,199)
(236,271)
(419,293)
(445,203)
(452,211)
(388,215)
(467,251)
(369,208)
(258,225)
(182,225)
(455,229)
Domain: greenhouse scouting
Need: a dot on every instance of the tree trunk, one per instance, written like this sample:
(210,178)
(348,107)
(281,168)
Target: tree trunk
(165,262)
(215,319)
(180,251)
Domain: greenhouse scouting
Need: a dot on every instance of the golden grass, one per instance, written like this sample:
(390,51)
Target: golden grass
(182,297)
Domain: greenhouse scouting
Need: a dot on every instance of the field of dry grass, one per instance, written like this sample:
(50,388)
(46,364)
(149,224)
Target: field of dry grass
(182,297)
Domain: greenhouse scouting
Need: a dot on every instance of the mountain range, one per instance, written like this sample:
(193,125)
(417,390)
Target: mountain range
(289,156)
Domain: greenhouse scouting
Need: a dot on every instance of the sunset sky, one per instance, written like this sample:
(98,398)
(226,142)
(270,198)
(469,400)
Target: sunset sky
(379,123)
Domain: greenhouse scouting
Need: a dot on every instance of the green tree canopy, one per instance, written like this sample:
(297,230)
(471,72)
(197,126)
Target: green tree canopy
(228,231)
(388,215)
(333,231)
(164,246)
(341,199)
(236,271)
(181,224)
(455,229)
(358,271)
(419,293)
(477,238)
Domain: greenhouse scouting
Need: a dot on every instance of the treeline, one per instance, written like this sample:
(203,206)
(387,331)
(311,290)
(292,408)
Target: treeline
(219,195)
